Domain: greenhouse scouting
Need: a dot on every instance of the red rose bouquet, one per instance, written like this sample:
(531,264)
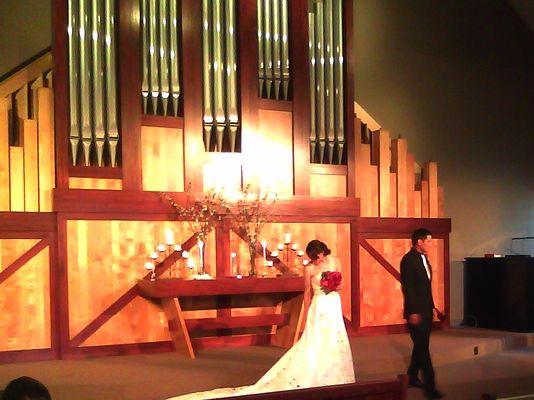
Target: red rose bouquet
(330,281)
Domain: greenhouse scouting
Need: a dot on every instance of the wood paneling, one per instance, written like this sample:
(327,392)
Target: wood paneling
(430,174)
(328,185)
(192,88)
(4,156)
(31,178)
(300,93)
(272,153)
(129,80)
(163,159)
(45,127)
(105,259)
(382,157)
(16,175)
(95,183)
(399,162)
(381,294)
(381,301)
(24,298)
(410,186)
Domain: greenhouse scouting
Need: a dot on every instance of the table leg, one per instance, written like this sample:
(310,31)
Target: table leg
(177,327)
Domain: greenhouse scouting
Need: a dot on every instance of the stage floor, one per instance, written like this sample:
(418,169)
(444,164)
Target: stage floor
(504,364)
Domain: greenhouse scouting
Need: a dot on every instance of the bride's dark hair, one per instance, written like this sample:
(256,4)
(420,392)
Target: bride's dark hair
(315,247)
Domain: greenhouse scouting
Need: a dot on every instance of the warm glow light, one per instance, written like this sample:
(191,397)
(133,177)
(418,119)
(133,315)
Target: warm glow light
(169,237)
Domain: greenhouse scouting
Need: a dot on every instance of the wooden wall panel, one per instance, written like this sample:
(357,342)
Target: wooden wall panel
(45,127)
(95,183)
(382,157)
(399,161)
(380,293)
(441,202)
(4,156)
(328,185)
(425,205)
(430,174)
(25,298)
(162,159)
(272,152)
(222,173)
(16,176)
(105,258)
(31,162)
(410,186)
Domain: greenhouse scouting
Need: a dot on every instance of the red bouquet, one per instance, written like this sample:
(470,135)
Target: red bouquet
(330,281)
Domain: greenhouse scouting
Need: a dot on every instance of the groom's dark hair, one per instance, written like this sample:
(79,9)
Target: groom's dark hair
(420,233)
(315,247)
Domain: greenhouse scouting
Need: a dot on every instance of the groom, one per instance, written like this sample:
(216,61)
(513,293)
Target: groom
(416,275)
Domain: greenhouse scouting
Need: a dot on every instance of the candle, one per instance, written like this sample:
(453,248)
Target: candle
(154,255)
(305,262)
(185,254)
(274,253)
(300,253)
(233,255)
(177,247)
(287,238)
(270,263)
(200,244)
(264,246)
(280,247)
(149,265)
(239,276)
(169,237)
(160,247)
(294,247)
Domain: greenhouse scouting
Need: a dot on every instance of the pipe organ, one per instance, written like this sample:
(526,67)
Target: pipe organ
(160,57)
(219,67)
(273,49)
(327,134)
(93,131)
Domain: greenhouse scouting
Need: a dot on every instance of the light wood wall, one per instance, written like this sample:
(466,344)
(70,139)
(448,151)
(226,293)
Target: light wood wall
(25,298)
(381,301)
(389,182)
(27,164)
(105,258)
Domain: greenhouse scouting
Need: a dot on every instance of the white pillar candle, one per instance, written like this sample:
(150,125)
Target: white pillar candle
(185,254)
(160,247)
(287,238)
(280,247)
(300,253)
(169,237)
(154,255)
(274,253)
(270,263)
(264,246)
(200,244)
(305,262)
(177,247)
(294,247)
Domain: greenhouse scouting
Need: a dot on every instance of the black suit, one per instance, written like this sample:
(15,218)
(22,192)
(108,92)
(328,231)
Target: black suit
(418,299)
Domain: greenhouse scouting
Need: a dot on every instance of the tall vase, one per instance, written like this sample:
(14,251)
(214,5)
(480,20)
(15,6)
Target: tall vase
(252,253)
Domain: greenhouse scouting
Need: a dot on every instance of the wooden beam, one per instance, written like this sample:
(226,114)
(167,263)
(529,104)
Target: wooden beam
(23,259)
(4,156)
(130,93)
(177,327)
(355,277)
(381,260)
(349,68)
(61,90)
(192,93)
(29,223)
(399,151)
(403,226)
(300,92)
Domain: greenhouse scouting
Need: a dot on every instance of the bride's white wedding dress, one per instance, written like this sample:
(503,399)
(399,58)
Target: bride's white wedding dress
(321,357)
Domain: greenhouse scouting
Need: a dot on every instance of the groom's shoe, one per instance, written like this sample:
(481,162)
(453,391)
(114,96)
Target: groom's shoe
(433,394)
(416,383)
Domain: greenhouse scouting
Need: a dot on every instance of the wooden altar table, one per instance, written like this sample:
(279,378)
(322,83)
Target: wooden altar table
(175,296)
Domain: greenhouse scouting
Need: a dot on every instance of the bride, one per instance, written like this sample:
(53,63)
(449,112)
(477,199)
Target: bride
(322,356)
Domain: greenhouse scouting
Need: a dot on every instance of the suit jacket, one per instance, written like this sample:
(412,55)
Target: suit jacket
(416,286)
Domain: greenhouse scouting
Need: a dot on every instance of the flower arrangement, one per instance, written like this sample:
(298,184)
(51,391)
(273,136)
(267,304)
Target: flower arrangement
(330,281)
(201,212)
(250,214)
